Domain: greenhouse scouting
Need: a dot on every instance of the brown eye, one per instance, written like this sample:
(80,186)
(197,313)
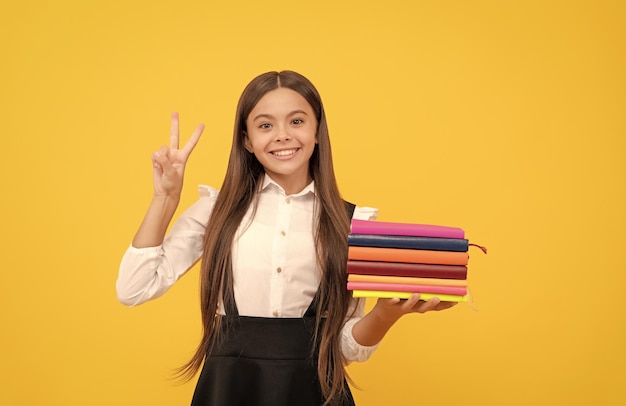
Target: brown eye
(297,121)
(265,126)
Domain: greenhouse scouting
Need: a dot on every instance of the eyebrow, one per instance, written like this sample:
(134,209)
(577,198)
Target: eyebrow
(263,115)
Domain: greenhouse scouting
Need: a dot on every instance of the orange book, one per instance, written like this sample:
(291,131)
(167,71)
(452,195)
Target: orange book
(407,255)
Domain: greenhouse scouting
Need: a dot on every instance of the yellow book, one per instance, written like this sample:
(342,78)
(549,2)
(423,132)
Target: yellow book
(406,295)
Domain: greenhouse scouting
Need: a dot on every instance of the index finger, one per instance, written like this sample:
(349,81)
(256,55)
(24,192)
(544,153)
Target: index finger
(174,131)
(193,140)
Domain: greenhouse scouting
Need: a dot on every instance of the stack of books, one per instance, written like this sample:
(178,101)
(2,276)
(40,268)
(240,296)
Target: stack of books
(395,260)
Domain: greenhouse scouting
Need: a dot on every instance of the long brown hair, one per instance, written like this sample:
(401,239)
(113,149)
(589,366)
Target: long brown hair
(241,183)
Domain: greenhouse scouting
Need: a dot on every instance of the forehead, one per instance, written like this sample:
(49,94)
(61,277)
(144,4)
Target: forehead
(281,101)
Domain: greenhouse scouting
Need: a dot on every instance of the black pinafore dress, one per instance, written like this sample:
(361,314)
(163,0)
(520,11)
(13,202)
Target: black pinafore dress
(263,362)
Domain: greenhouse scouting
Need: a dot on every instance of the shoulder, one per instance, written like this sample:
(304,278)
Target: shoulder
(203,206)
(365,213)
(207,192)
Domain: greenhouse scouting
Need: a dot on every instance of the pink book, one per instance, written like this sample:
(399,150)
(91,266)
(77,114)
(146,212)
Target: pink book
(406,280)
(406,229)
(406,295)
(399,287)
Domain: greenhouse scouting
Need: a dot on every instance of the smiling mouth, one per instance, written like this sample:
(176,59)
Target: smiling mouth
(285,152)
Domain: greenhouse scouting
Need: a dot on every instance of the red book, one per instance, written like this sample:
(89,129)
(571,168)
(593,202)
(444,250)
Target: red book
(407,269)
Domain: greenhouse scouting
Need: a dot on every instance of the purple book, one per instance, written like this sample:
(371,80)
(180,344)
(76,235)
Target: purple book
(406,229)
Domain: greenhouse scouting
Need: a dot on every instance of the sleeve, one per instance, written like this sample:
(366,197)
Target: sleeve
(365,213)
(353,351)
(147,273)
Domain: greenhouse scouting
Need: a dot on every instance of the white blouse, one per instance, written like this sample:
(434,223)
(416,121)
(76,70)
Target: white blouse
(275,272)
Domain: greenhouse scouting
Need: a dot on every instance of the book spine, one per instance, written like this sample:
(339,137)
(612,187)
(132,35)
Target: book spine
(411,256)
(418,230)
(397,287)
(406,280)
(408,242)
(407,269)
(406,295)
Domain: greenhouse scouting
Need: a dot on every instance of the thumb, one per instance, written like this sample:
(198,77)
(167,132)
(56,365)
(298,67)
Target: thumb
(156,158)
(157,170)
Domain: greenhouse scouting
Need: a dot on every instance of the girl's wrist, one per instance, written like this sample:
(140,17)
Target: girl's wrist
(166,197)
(166,205)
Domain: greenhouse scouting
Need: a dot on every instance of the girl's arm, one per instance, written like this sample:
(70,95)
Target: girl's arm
(152,264)
(371,329)
(147,273)
(168,170)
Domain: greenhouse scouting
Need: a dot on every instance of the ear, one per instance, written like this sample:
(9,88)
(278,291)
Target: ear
(246,142)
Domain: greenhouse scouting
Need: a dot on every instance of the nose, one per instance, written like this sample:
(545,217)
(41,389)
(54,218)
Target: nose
(282,134)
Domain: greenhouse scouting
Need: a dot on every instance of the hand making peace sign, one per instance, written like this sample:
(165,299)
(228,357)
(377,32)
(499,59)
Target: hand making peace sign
(169,163)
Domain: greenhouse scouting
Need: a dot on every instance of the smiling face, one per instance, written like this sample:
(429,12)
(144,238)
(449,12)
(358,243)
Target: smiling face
(281,133)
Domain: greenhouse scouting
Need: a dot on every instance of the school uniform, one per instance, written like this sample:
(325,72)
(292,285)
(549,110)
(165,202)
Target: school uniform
(266,358)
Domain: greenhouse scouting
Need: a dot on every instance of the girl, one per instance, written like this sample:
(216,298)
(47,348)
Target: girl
(279,325)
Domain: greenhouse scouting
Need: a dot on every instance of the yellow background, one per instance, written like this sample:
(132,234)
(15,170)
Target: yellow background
(503,118)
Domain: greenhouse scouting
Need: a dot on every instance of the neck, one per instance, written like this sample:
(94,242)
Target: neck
(292,184)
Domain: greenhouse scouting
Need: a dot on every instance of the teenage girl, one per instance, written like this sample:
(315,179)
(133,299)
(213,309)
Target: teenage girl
(279,325)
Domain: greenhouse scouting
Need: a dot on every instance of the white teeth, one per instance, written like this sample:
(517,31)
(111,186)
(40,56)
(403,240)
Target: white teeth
(285,152)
